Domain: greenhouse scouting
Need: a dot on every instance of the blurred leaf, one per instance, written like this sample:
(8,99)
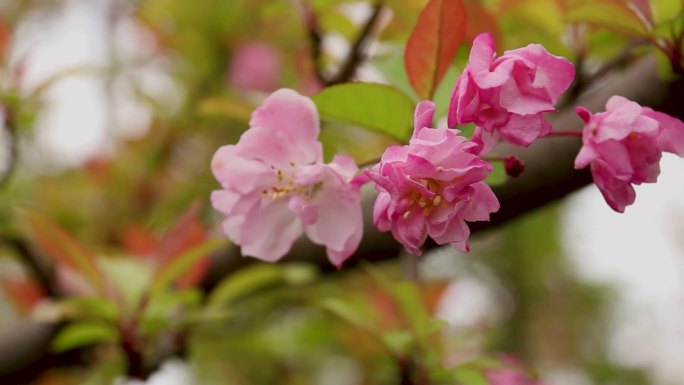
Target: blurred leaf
(225,107)
(350,313)
(370,105)
(168,274)
(186,233)
(24,293)
(130,276)
(256,277)
(168,310)
(432,45)
(498,175)
(88,308)
(83,334)
(398,341)
(63,248)
(613,15)
(469,376)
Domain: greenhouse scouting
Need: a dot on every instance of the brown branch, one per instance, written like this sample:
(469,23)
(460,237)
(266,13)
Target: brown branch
(357,52)
(39,270)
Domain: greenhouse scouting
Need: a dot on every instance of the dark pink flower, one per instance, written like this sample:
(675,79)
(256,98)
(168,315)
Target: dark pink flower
(623,146)
(276,186)
(431,187)
(506,96)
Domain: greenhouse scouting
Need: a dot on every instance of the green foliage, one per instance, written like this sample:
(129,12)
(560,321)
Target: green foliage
(372,106)
(82,334)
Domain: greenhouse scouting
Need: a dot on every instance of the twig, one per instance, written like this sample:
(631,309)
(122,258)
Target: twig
(357,53)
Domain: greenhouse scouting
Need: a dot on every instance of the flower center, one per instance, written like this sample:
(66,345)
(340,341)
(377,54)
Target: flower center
(286,186)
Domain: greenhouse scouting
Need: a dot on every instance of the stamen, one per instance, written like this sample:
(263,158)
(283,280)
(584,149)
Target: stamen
(406,214)
(437,200)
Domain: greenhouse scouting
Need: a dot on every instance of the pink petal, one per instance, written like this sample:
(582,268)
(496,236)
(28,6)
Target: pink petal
(671,136)
(481,204)
(288,128)
(240,173)
(269,232)
(424,113)
(340,224)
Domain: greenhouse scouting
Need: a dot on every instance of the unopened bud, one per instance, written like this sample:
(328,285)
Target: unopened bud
(514,166)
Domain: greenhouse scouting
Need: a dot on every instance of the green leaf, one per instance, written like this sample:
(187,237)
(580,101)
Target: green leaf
(469,376)
(373,106)
(613,16)
(398,341)
(350,313)
(245,281)
(169,273)
(131,278)
(433,43)
(88,308)
(83,334)
(498,175)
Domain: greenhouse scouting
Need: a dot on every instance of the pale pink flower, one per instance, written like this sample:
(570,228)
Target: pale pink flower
(276,186)
(431,187)
(510,377)
(623,146)
(254,67)
(506,96)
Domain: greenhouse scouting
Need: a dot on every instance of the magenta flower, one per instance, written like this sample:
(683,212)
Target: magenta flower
(276,186)
(510,377)
(623,146)
(506,96)
(431,187)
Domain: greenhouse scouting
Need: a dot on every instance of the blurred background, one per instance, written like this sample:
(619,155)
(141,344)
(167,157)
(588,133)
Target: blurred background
(111,110)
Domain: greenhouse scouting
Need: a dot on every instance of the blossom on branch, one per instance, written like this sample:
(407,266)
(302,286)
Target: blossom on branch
(623,146)
(505,97)
(431,186)
(275,185)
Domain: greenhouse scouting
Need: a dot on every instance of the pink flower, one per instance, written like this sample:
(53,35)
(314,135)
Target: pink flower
(276,186)
(623,146)
(510,377)
(255,67)
(431,187)
(506,96)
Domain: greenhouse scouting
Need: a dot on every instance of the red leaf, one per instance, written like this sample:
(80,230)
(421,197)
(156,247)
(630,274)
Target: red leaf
(5,35)
(23,292)
(138,240)
(433,44)
(183,235)
(480,19)
(64,248)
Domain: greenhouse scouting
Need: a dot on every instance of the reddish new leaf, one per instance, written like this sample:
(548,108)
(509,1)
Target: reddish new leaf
(433,44)
(63,248)
(24,293)
(186,233)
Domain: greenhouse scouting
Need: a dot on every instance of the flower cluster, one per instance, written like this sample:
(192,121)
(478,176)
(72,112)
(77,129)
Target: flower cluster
(276,187)
(506,97)
(431,187)
(623,146)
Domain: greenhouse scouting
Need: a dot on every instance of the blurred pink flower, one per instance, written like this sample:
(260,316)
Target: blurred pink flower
(623,146)
(506,96)
(276,186)
(255,67)
(431,187)
(510,377)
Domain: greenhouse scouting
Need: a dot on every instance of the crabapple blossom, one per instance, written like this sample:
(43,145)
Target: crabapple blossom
(255,67)
(431,186)
(506,96)
(623,146)
(275,185)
